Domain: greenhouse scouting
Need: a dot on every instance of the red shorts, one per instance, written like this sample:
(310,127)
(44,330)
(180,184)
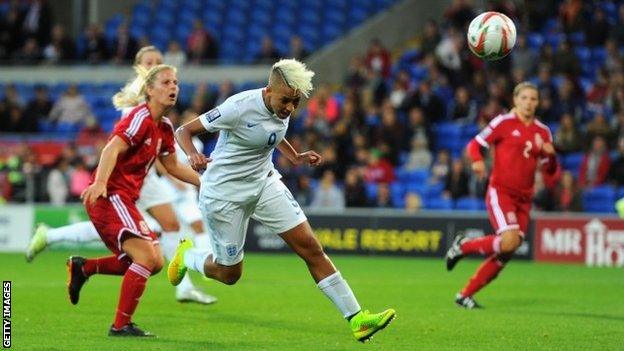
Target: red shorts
(507,211)
(116,216)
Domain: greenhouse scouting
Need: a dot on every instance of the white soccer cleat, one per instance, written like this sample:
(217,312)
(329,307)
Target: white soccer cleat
(38,242)
(194,295)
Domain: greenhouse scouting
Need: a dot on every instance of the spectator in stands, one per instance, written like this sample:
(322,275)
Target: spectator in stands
(565,60)
(268,53)
(448,52)
(490,110)
(595,165)
(58,180)
(597,95)
(388,136)
(570,15)
(125,46)
(79,180)
(616,171)
(15,121)
(11,97)
(328,195)
(354,190)
(441,167)
(599,127)
(297,49)
(419,157)
(384,198)
(597,32)
(330,162)
(38,108)
(356,77)
(226,89)
(618,125)
(29,54)
(417,128)
(617,31)
(569,100)
(568,195)
(322,110)
(91,131)
(61,49)
(613,61)
(424,97)
(546,109)
(38,21)
(201,45)
(378,170)
(456,183)
(401,87)
(95,45)
(431,37)
(459,14)
(413,202)
(463,108)
(523,57)
(11,36)
(71,108)
(378,59)
(543,198)
(568,138)
(174,56)
(305,193)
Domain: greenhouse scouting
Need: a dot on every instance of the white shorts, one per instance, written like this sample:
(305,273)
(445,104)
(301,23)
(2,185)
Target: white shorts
(153,193)
(227,221)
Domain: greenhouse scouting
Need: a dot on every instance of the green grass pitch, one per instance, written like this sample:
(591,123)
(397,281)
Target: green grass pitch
(277,306)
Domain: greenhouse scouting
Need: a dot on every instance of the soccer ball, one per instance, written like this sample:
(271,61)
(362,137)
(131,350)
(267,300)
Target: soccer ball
(491,36)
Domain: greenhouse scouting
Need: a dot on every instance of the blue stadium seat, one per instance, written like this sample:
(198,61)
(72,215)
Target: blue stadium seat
(572,162)
(371,191)
(599,55)
(434,189)
(468,204)
(583,53)
(599,199)
(535,40)
(438,204)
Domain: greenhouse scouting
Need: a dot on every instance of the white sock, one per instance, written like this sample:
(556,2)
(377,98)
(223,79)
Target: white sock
(185,284)
(202,241)
(81,232)
(195,258)
(169,242)
(339,292)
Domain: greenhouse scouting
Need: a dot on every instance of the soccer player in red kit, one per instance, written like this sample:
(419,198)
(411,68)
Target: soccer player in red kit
(137,140)
(521,144)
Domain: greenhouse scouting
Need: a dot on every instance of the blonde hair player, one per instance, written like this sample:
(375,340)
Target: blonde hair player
(137,140)
(155,200)
(241,182)
(521,144)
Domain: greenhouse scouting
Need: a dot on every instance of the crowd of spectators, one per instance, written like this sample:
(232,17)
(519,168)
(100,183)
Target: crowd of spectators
(380,123)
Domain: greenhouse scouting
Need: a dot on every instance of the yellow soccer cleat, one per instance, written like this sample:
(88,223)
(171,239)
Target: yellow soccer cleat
(365,324)
(177,269)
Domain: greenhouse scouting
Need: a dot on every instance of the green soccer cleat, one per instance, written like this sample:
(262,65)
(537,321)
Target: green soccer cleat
(177,269)
(38,242)
(365,324)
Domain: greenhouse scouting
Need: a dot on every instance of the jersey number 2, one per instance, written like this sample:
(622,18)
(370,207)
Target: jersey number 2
(527,148)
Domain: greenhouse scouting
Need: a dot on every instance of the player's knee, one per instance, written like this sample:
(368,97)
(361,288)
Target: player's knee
(511,241)
(158,263)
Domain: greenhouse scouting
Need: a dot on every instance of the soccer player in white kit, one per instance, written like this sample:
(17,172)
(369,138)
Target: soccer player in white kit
(241,182)
(155,200)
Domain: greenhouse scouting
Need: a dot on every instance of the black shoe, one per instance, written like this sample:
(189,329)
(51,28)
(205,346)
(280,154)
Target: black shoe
(129,329)
(454,253)
(76,277)
(466,302)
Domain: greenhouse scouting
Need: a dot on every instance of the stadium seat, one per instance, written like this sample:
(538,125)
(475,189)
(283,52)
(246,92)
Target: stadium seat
(572,162)
(468,204)
(438,204)
(371,191)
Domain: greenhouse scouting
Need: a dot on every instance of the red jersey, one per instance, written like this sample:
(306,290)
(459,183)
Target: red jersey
(147,140)
(517,152)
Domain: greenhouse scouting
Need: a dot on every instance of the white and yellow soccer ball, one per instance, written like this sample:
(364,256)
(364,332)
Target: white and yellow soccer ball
(491,35)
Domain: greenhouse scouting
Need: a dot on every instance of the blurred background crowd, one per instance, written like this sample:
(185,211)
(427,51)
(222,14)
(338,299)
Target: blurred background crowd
(392,133)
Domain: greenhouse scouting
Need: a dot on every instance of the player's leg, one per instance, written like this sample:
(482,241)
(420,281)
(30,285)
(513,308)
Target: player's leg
(279,211)
(227,224)
(44,236)
(487,244)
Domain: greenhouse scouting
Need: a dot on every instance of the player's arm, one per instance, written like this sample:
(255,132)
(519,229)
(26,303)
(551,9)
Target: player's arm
(184,136)
(476,156)
(311,157)
(549,159)
(108,159)
(164,173)
(179,170)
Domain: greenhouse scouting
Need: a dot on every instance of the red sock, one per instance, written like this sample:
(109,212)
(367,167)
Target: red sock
(485,245)
(485,274)
(105,265)
(132,288)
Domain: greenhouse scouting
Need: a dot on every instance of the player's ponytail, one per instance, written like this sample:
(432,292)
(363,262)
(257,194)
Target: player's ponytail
(130,95)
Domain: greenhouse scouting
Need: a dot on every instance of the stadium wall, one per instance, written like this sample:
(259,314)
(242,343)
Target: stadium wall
(559,238)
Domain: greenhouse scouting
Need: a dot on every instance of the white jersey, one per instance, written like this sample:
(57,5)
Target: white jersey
(242,159)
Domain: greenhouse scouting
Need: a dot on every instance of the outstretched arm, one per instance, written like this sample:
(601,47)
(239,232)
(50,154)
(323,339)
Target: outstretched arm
(311,157)
(184,136)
